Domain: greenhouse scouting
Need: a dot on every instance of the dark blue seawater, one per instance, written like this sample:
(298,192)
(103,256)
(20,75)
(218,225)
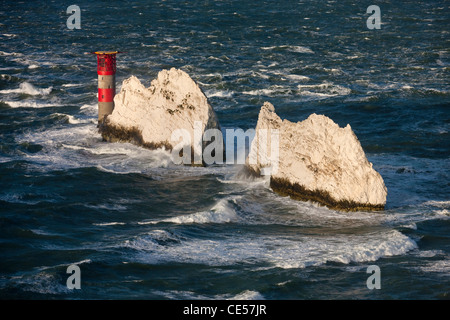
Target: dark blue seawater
(140,227)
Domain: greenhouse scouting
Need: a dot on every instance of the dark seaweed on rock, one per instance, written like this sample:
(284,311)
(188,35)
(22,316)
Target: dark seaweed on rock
(113,133)
(298,192)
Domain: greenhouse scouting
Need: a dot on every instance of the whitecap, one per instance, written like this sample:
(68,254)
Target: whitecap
(107,206)
(221,212)
(297,77)
(73,120)
(30,104)
(438,266)
(323,90)
(42,282)
(28,88)
(105,224)
(272,91)
(440,204)
(69,85)
(218,93)
(248,295)
(300,49)
(17,54)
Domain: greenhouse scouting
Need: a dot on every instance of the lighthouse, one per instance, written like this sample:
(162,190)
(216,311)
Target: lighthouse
(106,71)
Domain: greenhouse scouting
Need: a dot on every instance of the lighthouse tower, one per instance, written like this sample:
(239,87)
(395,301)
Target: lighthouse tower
(106,71)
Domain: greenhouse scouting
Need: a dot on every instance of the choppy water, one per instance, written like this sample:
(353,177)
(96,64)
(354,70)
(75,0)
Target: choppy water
(140,227)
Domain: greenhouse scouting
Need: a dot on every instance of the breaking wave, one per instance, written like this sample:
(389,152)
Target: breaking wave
(270,251)
(28,88)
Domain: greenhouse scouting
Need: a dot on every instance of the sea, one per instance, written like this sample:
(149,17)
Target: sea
(123,222)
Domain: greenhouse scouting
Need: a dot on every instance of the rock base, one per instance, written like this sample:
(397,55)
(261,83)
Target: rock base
(298,192)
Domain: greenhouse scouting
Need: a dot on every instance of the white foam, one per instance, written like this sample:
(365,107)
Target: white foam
(300,49)
(181,295)
(218,93)
(80,145)
(297,77)
(273,90)
(28,88)
(107,206)
(16,54)
(221,212)
(248,295)
(91,109)
(323,90)
(269,48)
(69,85)
(440,204)
(31,104)
(44,282)
(73,120)
(105,224)
(259,92)
(430,253)
(276,250)
(438,266)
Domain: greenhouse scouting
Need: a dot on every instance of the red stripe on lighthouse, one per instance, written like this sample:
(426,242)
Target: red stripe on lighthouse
(106,95)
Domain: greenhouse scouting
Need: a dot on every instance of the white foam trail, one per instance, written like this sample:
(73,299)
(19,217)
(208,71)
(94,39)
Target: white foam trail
(269,48)
(217,93)
(30,104)
(297,77)
(16,54)
(91,109)
(441,204)
(221,212)
(276,251)
(323,90)
(300,49)
(274,90)
(69,85)
(105,224)
(28,88)
(80,145)
(73,120)
(248,295)
(265,92)
(439,266)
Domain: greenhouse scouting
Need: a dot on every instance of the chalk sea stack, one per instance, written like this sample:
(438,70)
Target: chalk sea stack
(148,116)
(318,161)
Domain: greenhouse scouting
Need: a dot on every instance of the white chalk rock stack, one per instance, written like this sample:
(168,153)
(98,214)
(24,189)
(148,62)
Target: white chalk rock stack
(149,116)
(317,160)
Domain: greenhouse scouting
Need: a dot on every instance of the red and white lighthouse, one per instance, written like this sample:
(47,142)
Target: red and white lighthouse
(106,71)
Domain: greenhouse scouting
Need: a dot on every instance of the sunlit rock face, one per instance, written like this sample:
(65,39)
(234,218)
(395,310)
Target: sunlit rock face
(317,160)
(149,116)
